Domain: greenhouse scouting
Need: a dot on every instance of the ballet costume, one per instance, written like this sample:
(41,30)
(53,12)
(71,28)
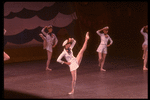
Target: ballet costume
(145,38)
(50,40)
(69,57)
(102,48)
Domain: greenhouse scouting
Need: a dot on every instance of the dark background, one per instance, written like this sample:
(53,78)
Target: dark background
(125,20)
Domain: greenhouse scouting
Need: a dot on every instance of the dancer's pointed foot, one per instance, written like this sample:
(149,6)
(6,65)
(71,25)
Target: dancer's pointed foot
(49,69)
(87,36)
(72,92)
(144,68)
(102,69)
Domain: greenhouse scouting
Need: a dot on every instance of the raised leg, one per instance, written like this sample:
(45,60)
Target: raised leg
(44,40)
(80,54)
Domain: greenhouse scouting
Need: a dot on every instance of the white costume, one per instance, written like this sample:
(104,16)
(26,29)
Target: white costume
(145,37)
(103,45)
(51,40)
(69,57)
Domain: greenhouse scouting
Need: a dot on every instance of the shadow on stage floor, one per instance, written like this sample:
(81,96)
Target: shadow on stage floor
(124,78)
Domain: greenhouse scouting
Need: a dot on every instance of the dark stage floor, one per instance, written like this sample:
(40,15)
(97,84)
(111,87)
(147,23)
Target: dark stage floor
(124,78)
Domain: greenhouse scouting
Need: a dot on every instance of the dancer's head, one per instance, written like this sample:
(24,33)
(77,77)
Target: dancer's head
(146,28)
(50,28)
(105,29)
(67,43)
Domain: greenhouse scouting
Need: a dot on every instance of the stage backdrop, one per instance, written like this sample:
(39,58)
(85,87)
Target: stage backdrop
(24,22)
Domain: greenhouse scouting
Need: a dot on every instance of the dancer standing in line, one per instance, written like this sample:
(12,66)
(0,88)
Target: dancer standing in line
(72,62)
(102,49)
(145,45)
(6,56)
(49,42)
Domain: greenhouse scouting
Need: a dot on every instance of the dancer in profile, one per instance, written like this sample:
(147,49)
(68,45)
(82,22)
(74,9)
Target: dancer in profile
(49,42)
(144,32)
(102,48)
(72,62)
(6,56)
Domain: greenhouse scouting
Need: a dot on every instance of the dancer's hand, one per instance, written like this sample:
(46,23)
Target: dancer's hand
(108,45)
(67,63)
(70,39)
(53,46)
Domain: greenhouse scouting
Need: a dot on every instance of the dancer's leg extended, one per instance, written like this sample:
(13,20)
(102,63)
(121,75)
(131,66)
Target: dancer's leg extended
(44,40)
(80,54)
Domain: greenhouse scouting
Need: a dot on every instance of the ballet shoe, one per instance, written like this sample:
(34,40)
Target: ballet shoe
(87,36)
(72,92)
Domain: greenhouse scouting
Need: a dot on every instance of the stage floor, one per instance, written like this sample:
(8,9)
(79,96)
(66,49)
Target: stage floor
(123,79)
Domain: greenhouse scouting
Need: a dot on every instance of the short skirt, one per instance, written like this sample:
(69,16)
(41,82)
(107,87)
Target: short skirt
(102,48)
(145,43)
(74,64)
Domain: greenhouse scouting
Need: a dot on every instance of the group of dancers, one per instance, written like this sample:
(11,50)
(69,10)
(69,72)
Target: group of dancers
(50,41)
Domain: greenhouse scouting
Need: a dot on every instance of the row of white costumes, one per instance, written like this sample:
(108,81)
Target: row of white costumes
(145,37)
(69,57)
(51,40)
(103,44)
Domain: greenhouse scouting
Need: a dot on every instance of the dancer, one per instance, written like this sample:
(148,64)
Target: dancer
(72,62)
(6,56)
(145,45)
(49,42)
(102,49)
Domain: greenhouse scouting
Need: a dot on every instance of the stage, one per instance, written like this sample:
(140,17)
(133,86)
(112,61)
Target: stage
(123,79)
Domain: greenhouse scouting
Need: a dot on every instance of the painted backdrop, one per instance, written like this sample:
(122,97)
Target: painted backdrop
(24,21)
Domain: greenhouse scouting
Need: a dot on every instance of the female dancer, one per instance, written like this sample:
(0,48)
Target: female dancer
(6,56)
(72,62)
(145,45)
(102,49)
(50,41)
